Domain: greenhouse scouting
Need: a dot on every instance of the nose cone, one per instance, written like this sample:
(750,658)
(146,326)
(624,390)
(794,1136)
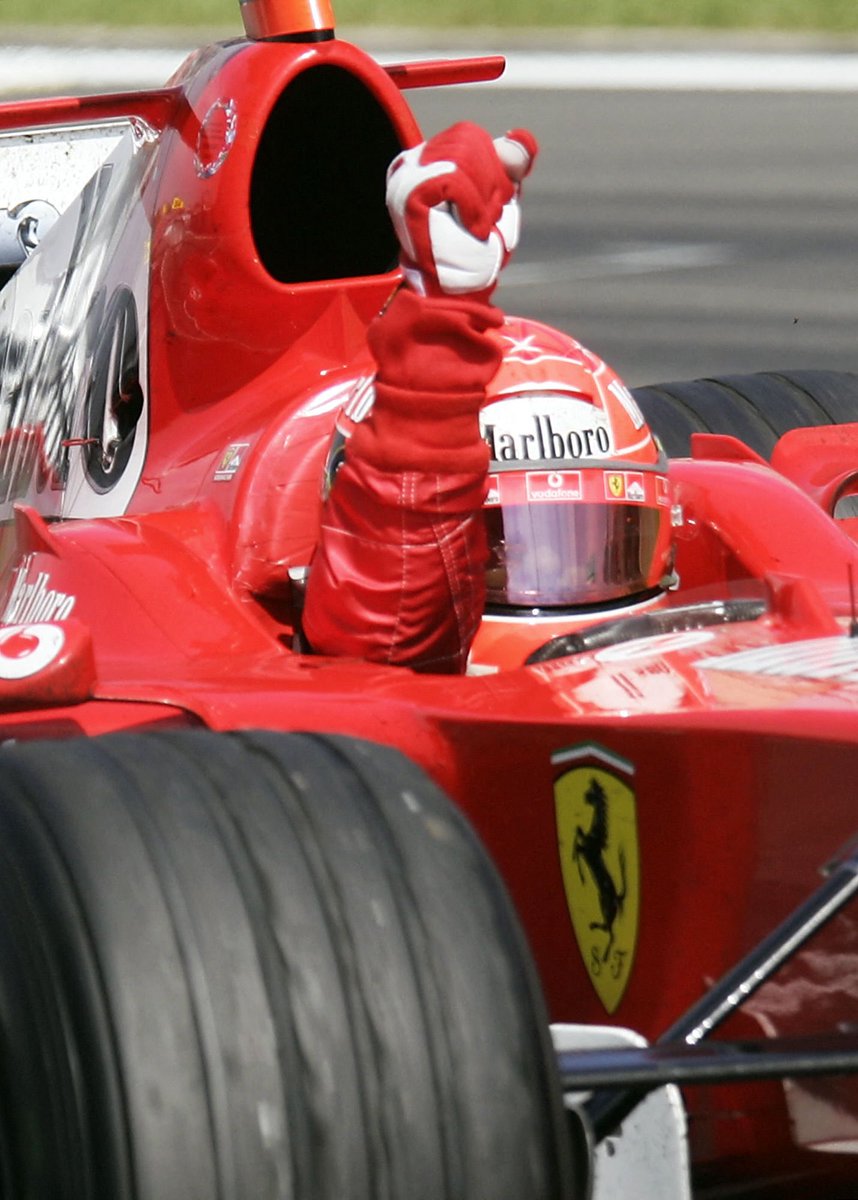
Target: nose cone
(288,20)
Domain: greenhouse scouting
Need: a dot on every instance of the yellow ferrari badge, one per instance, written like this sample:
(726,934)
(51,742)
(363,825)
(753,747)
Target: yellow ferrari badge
(599,857)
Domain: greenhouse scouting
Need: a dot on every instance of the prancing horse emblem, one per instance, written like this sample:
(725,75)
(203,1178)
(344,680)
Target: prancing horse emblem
(590,848)
(597,835)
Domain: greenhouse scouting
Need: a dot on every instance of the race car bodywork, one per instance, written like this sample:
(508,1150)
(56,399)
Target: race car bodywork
(176,338)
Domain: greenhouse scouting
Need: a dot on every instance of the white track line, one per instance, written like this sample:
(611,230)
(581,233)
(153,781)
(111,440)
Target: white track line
(691,71)
(50,69)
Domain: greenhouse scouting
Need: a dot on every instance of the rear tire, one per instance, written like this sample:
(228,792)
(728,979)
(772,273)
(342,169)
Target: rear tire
(260,965)
(757,409)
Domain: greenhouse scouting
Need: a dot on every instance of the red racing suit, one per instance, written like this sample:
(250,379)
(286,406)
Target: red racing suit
(399,573)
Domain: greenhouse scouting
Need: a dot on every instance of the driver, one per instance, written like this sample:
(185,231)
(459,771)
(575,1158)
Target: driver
(497,461)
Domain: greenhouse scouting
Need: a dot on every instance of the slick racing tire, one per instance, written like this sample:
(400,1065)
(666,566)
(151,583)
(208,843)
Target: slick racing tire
(255,965)
(757,409)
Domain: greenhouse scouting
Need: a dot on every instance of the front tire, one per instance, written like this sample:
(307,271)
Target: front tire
(260,965)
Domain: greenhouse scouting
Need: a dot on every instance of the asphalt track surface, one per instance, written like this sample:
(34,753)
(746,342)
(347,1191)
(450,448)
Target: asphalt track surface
(684,234)
(676,223)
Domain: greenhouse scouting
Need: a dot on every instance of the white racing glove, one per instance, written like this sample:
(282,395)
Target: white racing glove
(454,205)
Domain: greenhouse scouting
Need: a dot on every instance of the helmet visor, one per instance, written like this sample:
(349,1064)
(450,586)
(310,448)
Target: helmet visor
(569,554)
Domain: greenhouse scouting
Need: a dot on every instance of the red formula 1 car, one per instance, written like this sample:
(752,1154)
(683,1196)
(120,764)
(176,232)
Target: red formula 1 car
(248,948)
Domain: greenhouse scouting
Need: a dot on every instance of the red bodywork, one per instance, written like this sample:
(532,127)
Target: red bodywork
(158,538)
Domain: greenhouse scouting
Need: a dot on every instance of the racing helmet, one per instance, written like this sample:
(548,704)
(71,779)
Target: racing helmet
(578,509)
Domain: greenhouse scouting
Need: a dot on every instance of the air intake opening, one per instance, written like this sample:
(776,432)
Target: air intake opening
(317,191)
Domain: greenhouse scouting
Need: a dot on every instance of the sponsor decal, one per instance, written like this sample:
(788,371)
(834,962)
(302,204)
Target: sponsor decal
(597,836)
(635,488)
(590,485)
(553,485)
(625,485)
(33,600)
(231,459)
(540,440)
(545,429)
(27,649)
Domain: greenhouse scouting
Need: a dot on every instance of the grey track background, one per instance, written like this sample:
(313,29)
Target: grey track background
(684,234)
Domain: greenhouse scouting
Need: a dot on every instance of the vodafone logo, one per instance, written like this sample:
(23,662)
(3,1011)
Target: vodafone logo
(27,649)
(553,485)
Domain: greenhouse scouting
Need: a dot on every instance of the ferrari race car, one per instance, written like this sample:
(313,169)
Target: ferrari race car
(274,924)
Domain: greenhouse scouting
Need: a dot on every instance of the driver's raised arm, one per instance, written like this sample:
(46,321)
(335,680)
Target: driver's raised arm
(398,575)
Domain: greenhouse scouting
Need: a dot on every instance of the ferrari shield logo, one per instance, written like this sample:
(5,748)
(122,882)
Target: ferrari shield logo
(598,841)
(616,486)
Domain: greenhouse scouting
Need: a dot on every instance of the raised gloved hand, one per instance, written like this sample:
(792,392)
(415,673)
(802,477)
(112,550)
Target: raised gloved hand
(454,204)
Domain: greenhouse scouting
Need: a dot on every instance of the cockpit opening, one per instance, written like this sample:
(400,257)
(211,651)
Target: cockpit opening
(317,190)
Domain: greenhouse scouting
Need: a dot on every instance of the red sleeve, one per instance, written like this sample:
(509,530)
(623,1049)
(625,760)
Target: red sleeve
(398,576)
